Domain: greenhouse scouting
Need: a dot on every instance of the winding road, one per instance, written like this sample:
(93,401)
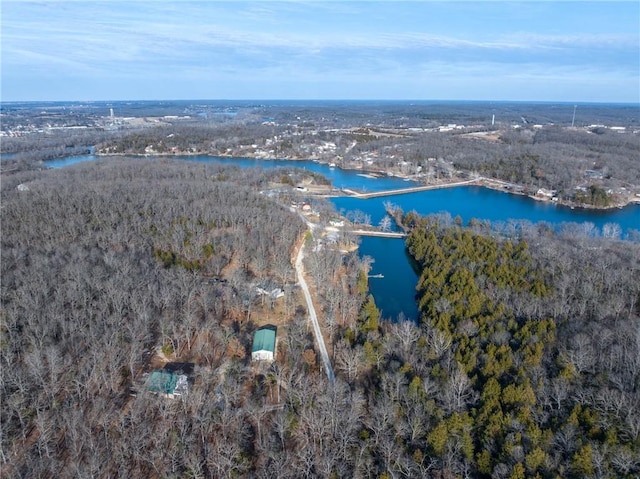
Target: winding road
(312,314)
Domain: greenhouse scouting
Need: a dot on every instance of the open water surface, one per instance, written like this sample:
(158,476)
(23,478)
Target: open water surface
(394,293)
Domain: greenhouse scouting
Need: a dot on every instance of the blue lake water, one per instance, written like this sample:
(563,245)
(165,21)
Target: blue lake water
(69,160)
(339,178)
(394,293)
(486,204)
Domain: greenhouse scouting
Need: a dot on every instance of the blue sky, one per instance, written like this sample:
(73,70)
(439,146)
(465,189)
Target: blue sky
(483,50)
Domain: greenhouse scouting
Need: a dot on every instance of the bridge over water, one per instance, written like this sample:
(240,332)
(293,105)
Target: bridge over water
(382,234)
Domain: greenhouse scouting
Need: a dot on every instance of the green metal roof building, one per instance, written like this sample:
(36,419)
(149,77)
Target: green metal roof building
(264,344)
(167,383)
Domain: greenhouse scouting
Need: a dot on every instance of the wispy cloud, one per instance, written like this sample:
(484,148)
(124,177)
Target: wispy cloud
(332,41)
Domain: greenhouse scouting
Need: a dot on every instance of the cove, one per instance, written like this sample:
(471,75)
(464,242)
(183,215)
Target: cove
(465,201)
(339,178)
(476,202)
(394,292)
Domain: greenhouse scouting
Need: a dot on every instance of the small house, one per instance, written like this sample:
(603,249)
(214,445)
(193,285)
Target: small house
(168,384)
(264,344)
(544,193)
(594,174)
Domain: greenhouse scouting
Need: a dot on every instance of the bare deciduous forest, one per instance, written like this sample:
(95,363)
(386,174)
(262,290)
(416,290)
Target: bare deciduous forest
(525,362)
(99,265)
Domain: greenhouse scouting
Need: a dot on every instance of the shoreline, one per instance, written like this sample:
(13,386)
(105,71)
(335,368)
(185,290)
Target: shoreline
(491,183)
(564,203)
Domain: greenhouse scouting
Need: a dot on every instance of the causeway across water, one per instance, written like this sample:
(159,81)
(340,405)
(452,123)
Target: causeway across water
(413,189)
(381,234)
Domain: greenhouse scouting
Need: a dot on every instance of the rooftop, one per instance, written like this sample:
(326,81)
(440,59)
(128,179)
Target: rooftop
(165,382)
(264,339)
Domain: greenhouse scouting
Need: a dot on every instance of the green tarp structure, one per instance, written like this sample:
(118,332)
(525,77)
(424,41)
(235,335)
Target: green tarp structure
(164,382)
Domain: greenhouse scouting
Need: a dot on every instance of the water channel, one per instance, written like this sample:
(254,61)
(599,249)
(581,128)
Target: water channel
(394,292)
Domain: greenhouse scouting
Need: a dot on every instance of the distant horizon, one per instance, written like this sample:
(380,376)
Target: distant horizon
(328,100)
